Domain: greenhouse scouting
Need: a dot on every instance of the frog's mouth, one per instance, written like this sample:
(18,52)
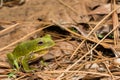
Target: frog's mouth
(37,55)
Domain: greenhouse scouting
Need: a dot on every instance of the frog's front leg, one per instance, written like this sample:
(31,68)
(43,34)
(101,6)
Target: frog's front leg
(12,60)
(25,64)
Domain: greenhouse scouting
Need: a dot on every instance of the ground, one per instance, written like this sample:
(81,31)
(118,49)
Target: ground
(86,36)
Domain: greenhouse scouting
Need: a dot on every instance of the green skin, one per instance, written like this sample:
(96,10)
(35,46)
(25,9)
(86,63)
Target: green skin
(26,52)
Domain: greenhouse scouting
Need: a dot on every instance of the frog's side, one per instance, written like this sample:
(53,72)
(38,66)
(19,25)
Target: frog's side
(25,51)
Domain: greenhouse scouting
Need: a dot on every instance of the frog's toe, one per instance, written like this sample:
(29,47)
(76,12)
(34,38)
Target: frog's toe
(30,70)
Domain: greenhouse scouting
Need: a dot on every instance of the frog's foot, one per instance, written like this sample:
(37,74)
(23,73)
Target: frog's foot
(26,66)
(30,70)
(16,64)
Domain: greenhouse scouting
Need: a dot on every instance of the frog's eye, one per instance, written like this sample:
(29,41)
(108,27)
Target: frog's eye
(40,42)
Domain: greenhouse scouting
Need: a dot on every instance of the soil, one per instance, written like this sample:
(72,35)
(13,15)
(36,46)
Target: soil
(69,22)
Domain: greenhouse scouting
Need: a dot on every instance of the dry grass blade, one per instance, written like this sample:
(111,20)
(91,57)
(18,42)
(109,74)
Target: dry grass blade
(23,38)
(68,7)
(8,29)
(83,37)
(70,66)
(21,77)
(61,71)
(109,70)
(96,27)
(115,22)
(1,3)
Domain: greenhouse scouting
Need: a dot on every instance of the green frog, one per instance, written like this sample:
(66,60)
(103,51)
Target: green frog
(29,51)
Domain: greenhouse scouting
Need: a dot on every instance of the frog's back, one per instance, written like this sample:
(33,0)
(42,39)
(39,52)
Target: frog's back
(24,48)
(33,46)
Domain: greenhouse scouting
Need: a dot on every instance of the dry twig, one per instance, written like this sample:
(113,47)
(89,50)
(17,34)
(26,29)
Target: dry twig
(95,28)
(25,37)
(70,66)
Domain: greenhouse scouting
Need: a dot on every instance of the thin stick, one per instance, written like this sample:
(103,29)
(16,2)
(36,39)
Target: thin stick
(109,70)
(70,66)
(8,29)
(25,37)
(84,72)
(115,22)
(68,6)
(93,31)
(83,37)
(1,3)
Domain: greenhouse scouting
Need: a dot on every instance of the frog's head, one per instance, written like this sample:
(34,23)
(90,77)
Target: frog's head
(45,42)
